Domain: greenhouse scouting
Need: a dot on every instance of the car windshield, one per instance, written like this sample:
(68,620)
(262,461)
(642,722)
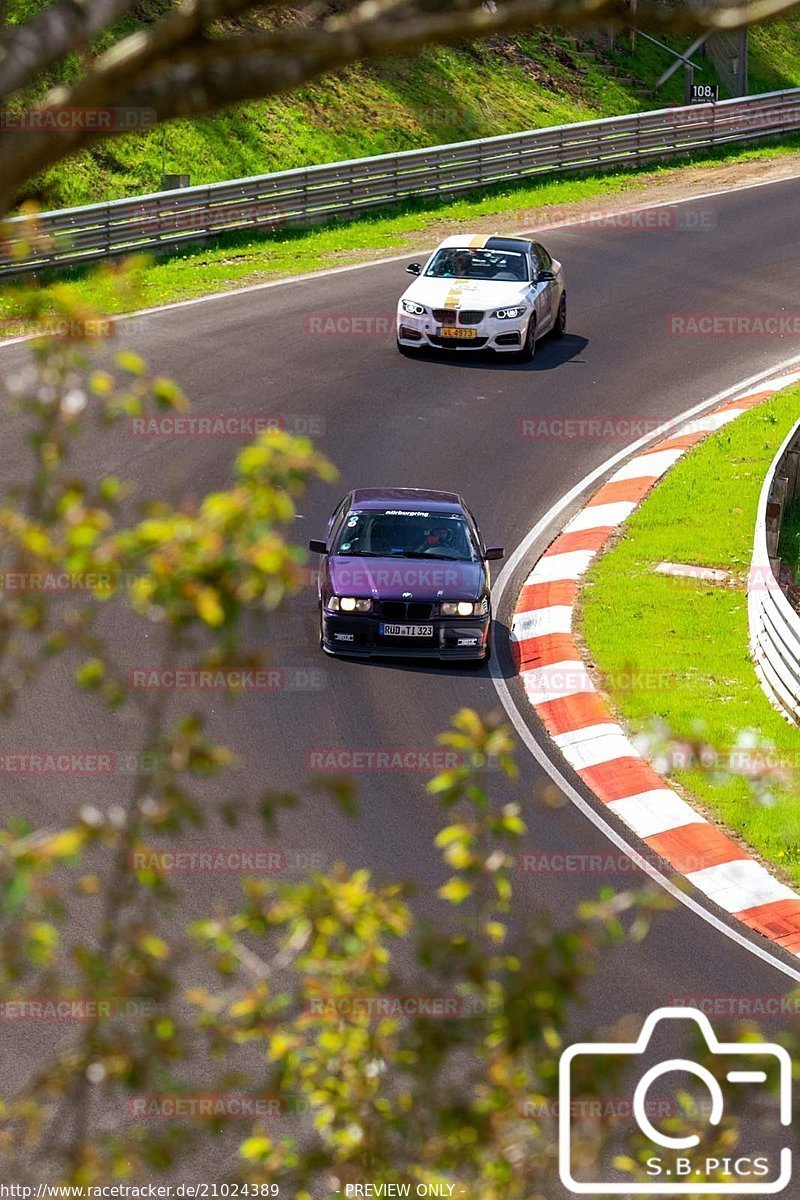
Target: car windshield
(384,533)
(462,263)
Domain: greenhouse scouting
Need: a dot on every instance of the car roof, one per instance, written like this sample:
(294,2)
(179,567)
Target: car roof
(487,241)
(386,497)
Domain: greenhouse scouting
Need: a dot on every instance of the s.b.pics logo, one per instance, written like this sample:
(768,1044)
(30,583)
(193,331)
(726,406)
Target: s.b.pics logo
(678,1165)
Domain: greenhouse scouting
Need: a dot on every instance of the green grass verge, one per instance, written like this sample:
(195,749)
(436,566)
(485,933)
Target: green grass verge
(236,260)
(630,618)
(441,94)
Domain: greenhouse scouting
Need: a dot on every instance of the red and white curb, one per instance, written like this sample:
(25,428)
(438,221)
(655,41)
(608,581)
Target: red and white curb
(559,687)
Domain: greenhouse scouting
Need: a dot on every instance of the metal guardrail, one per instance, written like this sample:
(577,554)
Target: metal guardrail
(774,623)
(344,189)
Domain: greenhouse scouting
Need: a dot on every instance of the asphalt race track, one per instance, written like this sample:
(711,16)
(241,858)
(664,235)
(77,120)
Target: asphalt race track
(450,423)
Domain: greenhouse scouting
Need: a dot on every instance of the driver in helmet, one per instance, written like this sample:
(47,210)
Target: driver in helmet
(437,536)
(462,261)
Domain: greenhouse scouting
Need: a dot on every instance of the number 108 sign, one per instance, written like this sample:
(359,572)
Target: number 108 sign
(705,93)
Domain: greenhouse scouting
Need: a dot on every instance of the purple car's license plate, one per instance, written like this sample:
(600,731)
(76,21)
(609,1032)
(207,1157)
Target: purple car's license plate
(407,630)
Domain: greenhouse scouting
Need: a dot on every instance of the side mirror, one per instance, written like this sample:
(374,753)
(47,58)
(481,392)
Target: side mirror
(494,552)
(545,277)
(318,546)
(414,268)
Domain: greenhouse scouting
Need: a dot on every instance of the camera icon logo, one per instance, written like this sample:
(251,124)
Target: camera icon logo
(680,1165)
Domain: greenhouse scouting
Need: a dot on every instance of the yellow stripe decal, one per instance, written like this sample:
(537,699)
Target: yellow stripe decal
(454,295)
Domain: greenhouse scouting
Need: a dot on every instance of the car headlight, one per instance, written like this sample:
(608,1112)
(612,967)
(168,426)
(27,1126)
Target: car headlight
(458,608)
(349,604)
(416,310)
(509,314)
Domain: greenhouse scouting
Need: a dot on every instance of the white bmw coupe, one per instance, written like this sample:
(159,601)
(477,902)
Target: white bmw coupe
(483,293)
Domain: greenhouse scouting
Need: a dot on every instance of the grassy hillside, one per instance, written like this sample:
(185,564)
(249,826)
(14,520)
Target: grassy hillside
(443,94)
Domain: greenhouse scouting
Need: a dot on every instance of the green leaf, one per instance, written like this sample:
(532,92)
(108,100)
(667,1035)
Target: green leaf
(255,1148)
(134,364)
(90,674)
(456,890)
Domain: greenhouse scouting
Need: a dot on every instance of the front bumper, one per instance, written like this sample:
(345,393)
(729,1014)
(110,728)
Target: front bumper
(490,334)
(453,638)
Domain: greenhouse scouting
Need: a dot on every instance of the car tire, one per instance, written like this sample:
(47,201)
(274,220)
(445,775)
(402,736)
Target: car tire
(321,636)
(529,345)
(560,327)
(406,351)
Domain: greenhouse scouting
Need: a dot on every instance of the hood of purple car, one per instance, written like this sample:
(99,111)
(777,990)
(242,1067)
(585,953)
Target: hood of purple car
(405,578)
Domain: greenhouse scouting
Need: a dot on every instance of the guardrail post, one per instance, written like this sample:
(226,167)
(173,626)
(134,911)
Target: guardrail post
(775,508)
(792,465)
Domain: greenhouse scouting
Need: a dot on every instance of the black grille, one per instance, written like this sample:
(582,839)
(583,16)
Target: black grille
(393,610)
(449,316)
(396,610)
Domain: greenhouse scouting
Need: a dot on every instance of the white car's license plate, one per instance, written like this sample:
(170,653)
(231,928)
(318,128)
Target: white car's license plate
(453,331)
(407,630)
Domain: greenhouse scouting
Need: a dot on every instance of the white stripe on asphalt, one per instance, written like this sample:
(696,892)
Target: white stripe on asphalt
(568,678)
(600,516)
(555,619)
(603,749)
(570,565)
(575,736)
(646,466)
(656,811)
(739,885)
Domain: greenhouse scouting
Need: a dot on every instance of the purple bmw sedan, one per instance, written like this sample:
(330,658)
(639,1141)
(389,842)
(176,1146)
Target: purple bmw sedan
(404,574)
